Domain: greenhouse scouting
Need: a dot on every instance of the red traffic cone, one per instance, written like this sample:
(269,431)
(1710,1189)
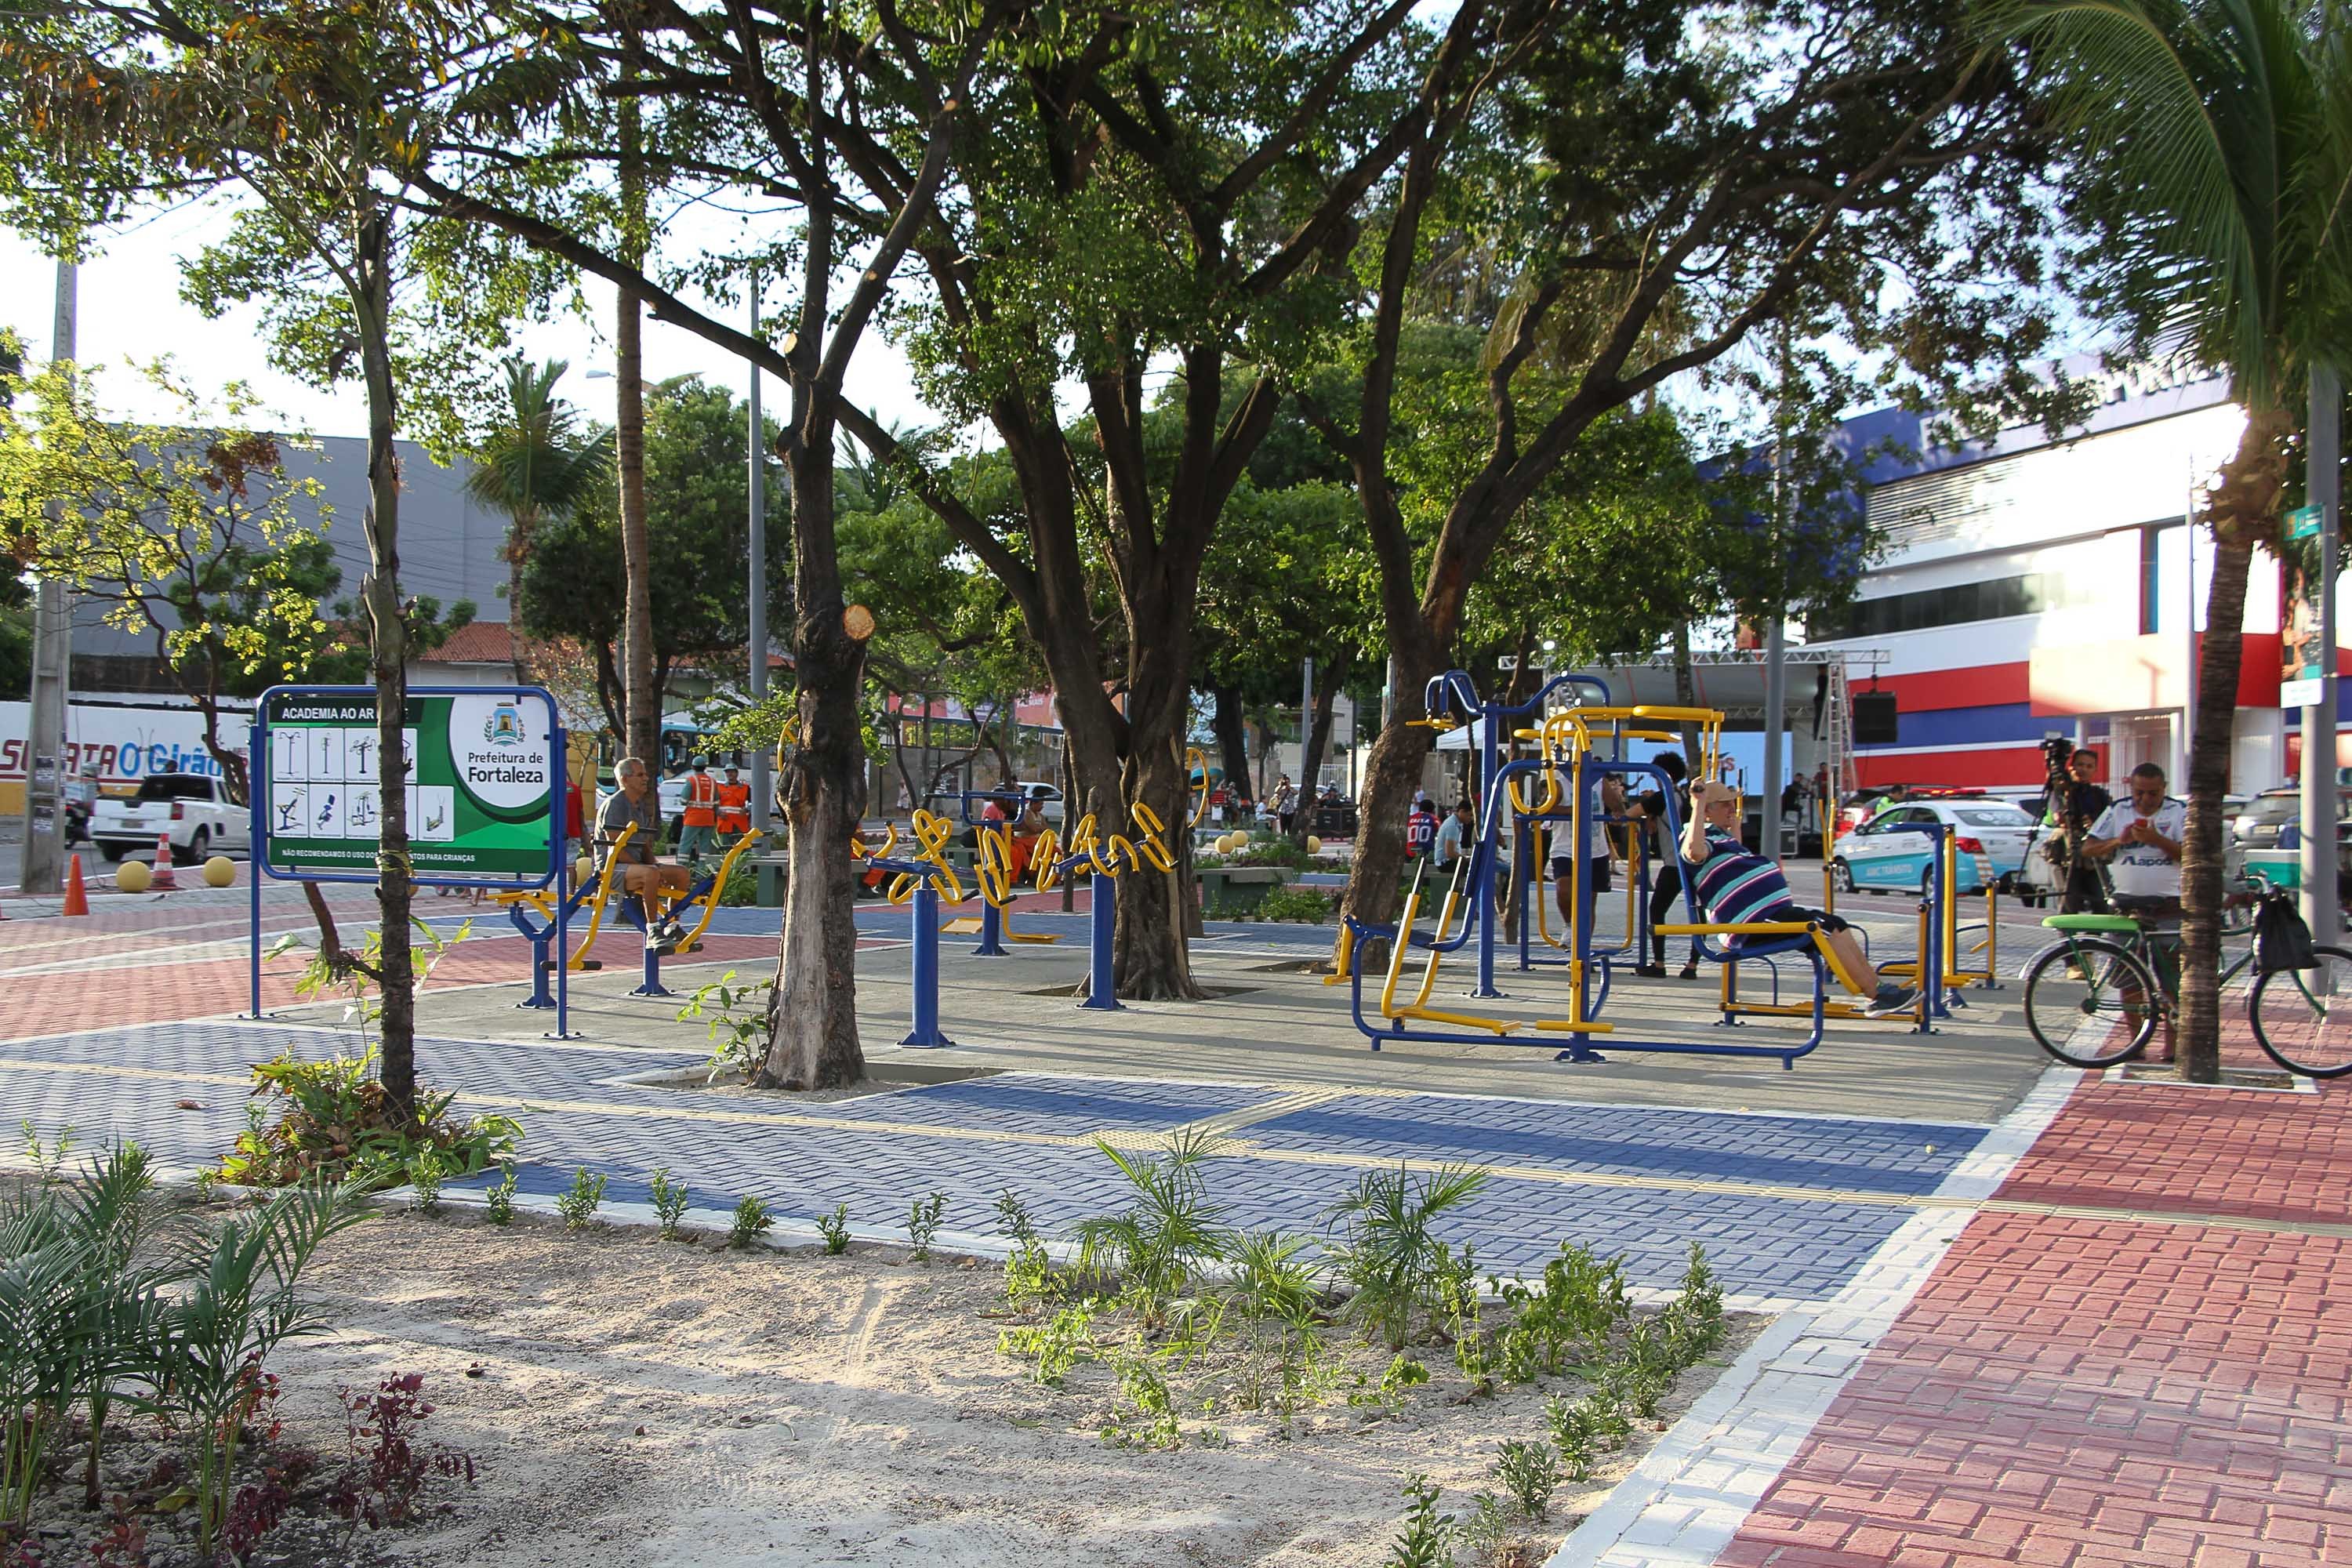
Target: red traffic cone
(164,881)
(77,896)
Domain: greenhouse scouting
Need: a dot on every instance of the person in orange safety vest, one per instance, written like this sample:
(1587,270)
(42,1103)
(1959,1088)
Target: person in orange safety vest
(734,804)
(702,815)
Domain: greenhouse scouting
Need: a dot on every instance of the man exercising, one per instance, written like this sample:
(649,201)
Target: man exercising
(642,876)
(1735,888)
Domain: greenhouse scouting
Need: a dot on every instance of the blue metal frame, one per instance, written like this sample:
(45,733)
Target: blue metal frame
(256,793)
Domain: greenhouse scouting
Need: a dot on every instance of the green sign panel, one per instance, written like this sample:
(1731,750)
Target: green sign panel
(2302,523)
(481,782)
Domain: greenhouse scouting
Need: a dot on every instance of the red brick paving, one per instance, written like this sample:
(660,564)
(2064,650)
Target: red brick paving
(35,1004)
(2218,1152)
(2072,1392)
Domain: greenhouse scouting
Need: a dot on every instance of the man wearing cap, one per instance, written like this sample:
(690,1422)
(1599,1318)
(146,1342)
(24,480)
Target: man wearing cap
(734,804)
(702,815)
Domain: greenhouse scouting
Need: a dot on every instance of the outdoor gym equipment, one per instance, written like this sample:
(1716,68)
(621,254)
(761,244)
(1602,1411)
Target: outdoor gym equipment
(917,881)
(1570,762)
(995,880)
(1101,855)
(643,918)
(556,905)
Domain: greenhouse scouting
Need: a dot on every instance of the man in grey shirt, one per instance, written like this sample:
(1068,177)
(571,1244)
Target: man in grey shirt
(643,876)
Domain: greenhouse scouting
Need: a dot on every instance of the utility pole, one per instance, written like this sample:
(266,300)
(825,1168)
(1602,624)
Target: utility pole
(762,787)
(2319,794)
(1776,674)
(42,871)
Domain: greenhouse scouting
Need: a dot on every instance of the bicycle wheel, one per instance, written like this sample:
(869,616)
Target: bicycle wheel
(2090,1002)
(2303,1017)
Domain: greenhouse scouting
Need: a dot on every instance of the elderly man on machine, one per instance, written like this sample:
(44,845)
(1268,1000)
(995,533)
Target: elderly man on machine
(655,887)
(1735,887)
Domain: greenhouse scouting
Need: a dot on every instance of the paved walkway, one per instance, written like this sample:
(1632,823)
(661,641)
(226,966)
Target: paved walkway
(2025,1316)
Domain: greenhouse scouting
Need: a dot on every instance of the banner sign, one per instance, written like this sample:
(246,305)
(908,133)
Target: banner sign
(481,796)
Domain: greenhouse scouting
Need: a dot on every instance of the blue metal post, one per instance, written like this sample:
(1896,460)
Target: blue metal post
(1102,990)
(1522,846)
(992,932)
(1489,852)
(256,839)
(925,914)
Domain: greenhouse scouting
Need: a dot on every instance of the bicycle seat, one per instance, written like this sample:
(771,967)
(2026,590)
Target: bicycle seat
(2091,923)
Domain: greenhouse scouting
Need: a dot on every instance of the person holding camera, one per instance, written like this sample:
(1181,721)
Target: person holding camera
(2081,804)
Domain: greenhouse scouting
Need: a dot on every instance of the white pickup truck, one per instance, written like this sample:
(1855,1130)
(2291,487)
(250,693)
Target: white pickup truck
(193,808)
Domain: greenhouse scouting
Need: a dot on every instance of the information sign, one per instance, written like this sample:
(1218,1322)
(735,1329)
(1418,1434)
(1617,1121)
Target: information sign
(480,794)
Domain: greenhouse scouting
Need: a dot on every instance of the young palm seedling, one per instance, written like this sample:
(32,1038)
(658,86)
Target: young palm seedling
(1388,1250)
(1166,1234)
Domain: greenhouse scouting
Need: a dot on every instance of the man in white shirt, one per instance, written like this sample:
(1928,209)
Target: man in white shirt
(2143,835)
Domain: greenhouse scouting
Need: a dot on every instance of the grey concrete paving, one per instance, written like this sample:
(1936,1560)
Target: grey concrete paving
(1277,1026)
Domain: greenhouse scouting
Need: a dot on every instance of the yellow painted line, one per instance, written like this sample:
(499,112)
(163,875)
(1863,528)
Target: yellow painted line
(1144,1142)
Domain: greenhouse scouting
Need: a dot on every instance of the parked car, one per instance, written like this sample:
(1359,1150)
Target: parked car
(1891,850)
(2257,825)
(195,809)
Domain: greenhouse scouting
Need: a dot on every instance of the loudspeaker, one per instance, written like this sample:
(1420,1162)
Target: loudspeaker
(1873,719)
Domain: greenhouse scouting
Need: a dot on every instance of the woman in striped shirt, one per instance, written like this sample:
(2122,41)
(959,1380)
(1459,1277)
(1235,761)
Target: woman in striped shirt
(1735,888)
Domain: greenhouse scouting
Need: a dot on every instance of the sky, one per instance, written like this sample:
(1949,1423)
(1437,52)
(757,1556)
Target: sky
(130,310)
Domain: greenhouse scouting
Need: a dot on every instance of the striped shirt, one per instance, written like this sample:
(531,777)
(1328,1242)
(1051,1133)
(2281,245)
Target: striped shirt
(1735,887)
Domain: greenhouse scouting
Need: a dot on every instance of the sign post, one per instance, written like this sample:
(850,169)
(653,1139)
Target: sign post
(485,796)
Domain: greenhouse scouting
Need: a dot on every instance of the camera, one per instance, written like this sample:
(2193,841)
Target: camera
(2057,750)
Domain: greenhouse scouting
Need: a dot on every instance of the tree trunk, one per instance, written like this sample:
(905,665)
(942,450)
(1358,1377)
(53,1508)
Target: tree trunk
(812,1012)
(1233,737)
(1319,738)
(519,533)
(388,650)
(1391,777)
(641,700)
(2242,507)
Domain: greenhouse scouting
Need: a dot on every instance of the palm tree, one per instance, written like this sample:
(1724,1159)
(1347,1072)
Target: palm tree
(2207,161)
(530,466)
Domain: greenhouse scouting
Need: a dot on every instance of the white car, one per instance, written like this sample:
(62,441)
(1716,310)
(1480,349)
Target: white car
(193,809)
(1891,851)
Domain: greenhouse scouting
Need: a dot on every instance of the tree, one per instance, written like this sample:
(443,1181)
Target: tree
(191,533)
(531,464)
(316,115)
(576,585)
(2218,231)
(1634,206)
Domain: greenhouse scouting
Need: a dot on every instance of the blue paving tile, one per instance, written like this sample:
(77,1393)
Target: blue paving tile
(1067,1106)
(1895,1157)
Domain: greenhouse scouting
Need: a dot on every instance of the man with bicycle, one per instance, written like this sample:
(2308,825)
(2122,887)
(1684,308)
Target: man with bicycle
(2141,836)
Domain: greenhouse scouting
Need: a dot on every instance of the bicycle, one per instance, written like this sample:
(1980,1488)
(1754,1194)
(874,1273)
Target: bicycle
(2095,997)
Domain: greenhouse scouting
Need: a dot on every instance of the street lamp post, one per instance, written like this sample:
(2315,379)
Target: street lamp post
(42,869)
(2319,791)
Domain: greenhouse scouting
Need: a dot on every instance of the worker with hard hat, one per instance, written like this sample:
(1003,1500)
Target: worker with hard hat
(700,819)
(734,804)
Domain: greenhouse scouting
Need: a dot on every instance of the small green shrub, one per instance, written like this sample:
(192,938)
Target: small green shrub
(743,887)
(1569,1313)
(1422,1543)
(923,1216)
(334,1122)
(751,1221)
(736,1018)
(669,1201)
(425,1180)
(1488,1529)
(578,1203)
(1056,1345)
(1530,1472)
(1402,1372)
(499,1199)
(1143,1387)
(1302,904)
(834,1228)
(48,1159)
(1458,1305)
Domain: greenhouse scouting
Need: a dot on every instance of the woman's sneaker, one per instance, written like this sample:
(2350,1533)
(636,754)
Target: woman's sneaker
(1891,999)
